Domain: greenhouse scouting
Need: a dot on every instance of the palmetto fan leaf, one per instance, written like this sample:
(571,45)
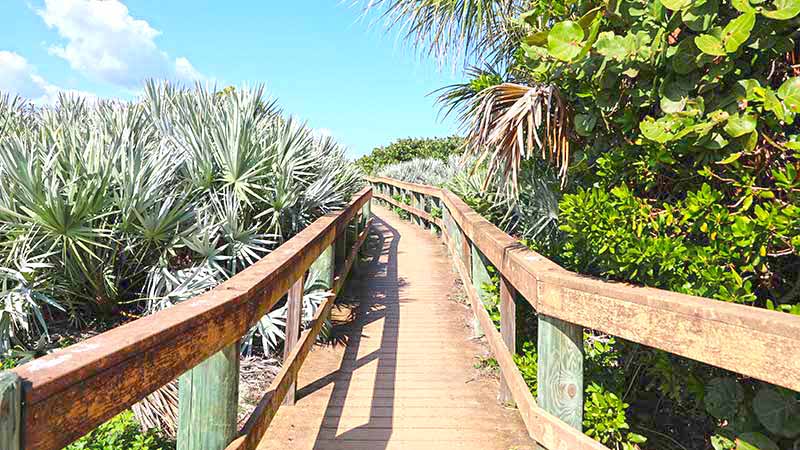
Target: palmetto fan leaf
(509,122)
(454,28)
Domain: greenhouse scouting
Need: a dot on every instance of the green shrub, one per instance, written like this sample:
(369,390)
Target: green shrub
(408,149)
(121,433)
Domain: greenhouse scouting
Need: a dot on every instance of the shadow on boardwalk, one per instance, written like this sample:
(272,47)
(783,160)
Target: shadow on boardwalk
(401,372)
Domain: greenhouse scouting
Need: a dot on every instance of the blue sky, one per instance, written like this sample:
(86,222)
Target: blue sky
(320,59)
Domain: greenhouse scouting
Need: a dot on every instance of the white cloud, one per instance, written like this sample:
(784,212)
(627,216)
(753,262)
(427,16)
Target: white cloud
(18,76)
(103,41)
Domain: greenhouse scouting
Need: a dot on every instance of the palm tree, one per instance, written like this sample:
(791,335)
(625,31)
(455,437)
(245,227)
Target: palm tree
(504,122)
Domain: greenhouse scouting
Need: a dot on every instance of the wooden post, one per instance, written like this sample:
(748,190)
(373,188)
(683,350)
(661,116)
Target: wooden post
(480,276)
(209,402)
(294,315)
(560,376)
(10,411)
(341,251)
(508,330)
(433,202)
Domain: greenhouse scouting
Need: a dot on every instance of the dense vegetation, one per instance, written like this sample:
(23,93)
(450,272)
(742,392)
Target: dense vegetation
(408,149)
(672,126)
(112,210)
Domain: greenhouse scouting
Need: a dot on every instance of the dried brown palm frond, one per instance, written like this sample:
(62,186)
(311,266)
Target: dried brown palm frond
(159,410)
(509,122)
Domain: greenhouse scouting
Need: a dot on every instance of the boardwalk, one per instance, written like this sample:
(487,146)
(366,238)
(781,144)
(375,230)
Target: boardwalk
(406,377)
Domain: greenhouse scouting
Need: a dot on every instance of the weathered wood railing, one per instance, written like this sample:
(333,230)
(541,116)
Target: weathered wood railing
(53,400)
(754,342)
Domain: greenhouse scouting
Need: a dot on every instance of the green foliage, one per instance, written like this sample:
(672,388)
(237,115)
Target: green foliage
(604,419)
(687,108)
(410,148)
(528,364)
(114,206)
(122,433)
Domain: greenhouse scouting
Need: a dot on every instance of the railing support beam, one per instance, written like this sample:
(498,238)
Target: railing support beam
(480,277)
(560,375)
(294,315)
(209,402)
(508,330)
(10,411)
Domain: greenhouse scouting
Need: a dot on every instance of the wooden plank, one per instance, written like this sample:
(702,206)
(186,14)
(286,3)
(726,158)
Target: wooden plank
(412,210)
(73,390)
(265,411)
(560,375)
(294,314)
(480,277)
(10,411)
(702,329)
(545,428)
(209,402)
(508,329)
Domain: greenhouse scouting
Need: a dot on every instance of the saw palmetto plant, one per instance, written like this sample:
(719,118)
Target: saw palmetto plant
(138,205)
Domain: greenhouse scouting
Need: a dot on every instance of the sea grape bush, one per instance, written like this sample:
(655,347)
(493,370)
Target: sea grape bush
(408,149)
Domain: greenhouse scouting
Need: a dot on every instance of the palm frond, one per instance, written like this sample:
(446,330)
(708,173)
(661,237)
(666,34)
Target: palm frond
(509,122)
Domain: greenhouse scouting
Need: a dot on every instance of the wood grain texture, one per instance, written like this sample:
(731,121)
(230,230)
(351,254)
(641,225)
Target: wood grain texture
(208,402)
(260,419)
(10,411)
(560,371)
(545,428)
(73,390)
(508,330)
(702,329)
(480,278)
(396,381)
(294,314)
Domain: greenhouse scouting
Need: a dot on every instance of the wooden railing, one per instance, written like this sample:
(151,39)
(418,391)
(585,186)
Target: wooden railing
(51,401)
(750,341)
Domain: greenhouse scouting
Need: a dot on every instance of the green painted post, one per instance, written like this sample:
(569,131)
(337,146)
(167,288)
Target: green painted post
(366,212)
(10,411)
(419,205)
(209,402)
(320,273)
(433,202)
(560,376)
(480,276)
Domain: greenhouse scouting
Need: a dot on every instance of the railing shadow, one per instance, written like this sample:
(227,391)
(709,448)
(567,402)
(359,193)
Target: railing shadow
(377,286)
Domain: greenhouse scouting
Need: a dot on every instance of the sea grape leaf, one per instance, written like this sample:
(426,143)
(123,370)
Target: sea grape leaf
(737,31)
(674,97)
(710,45)
(538,39)
(743,6)
(661,130)
(610,45)
(701,15)
(754,441)
(790,93)
(565,40)
(722,398)
(740,124)
(585,123)
(784,10)
(772,103)
(675,5)
(778,410)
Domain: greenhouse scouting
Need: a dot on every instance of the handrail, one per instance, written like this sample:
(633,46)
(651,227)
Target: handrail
(698,328)
(73,390)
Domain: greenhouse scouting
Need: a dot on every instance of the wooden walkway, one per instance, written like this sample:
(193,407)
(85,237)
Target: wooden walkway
(402,374)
